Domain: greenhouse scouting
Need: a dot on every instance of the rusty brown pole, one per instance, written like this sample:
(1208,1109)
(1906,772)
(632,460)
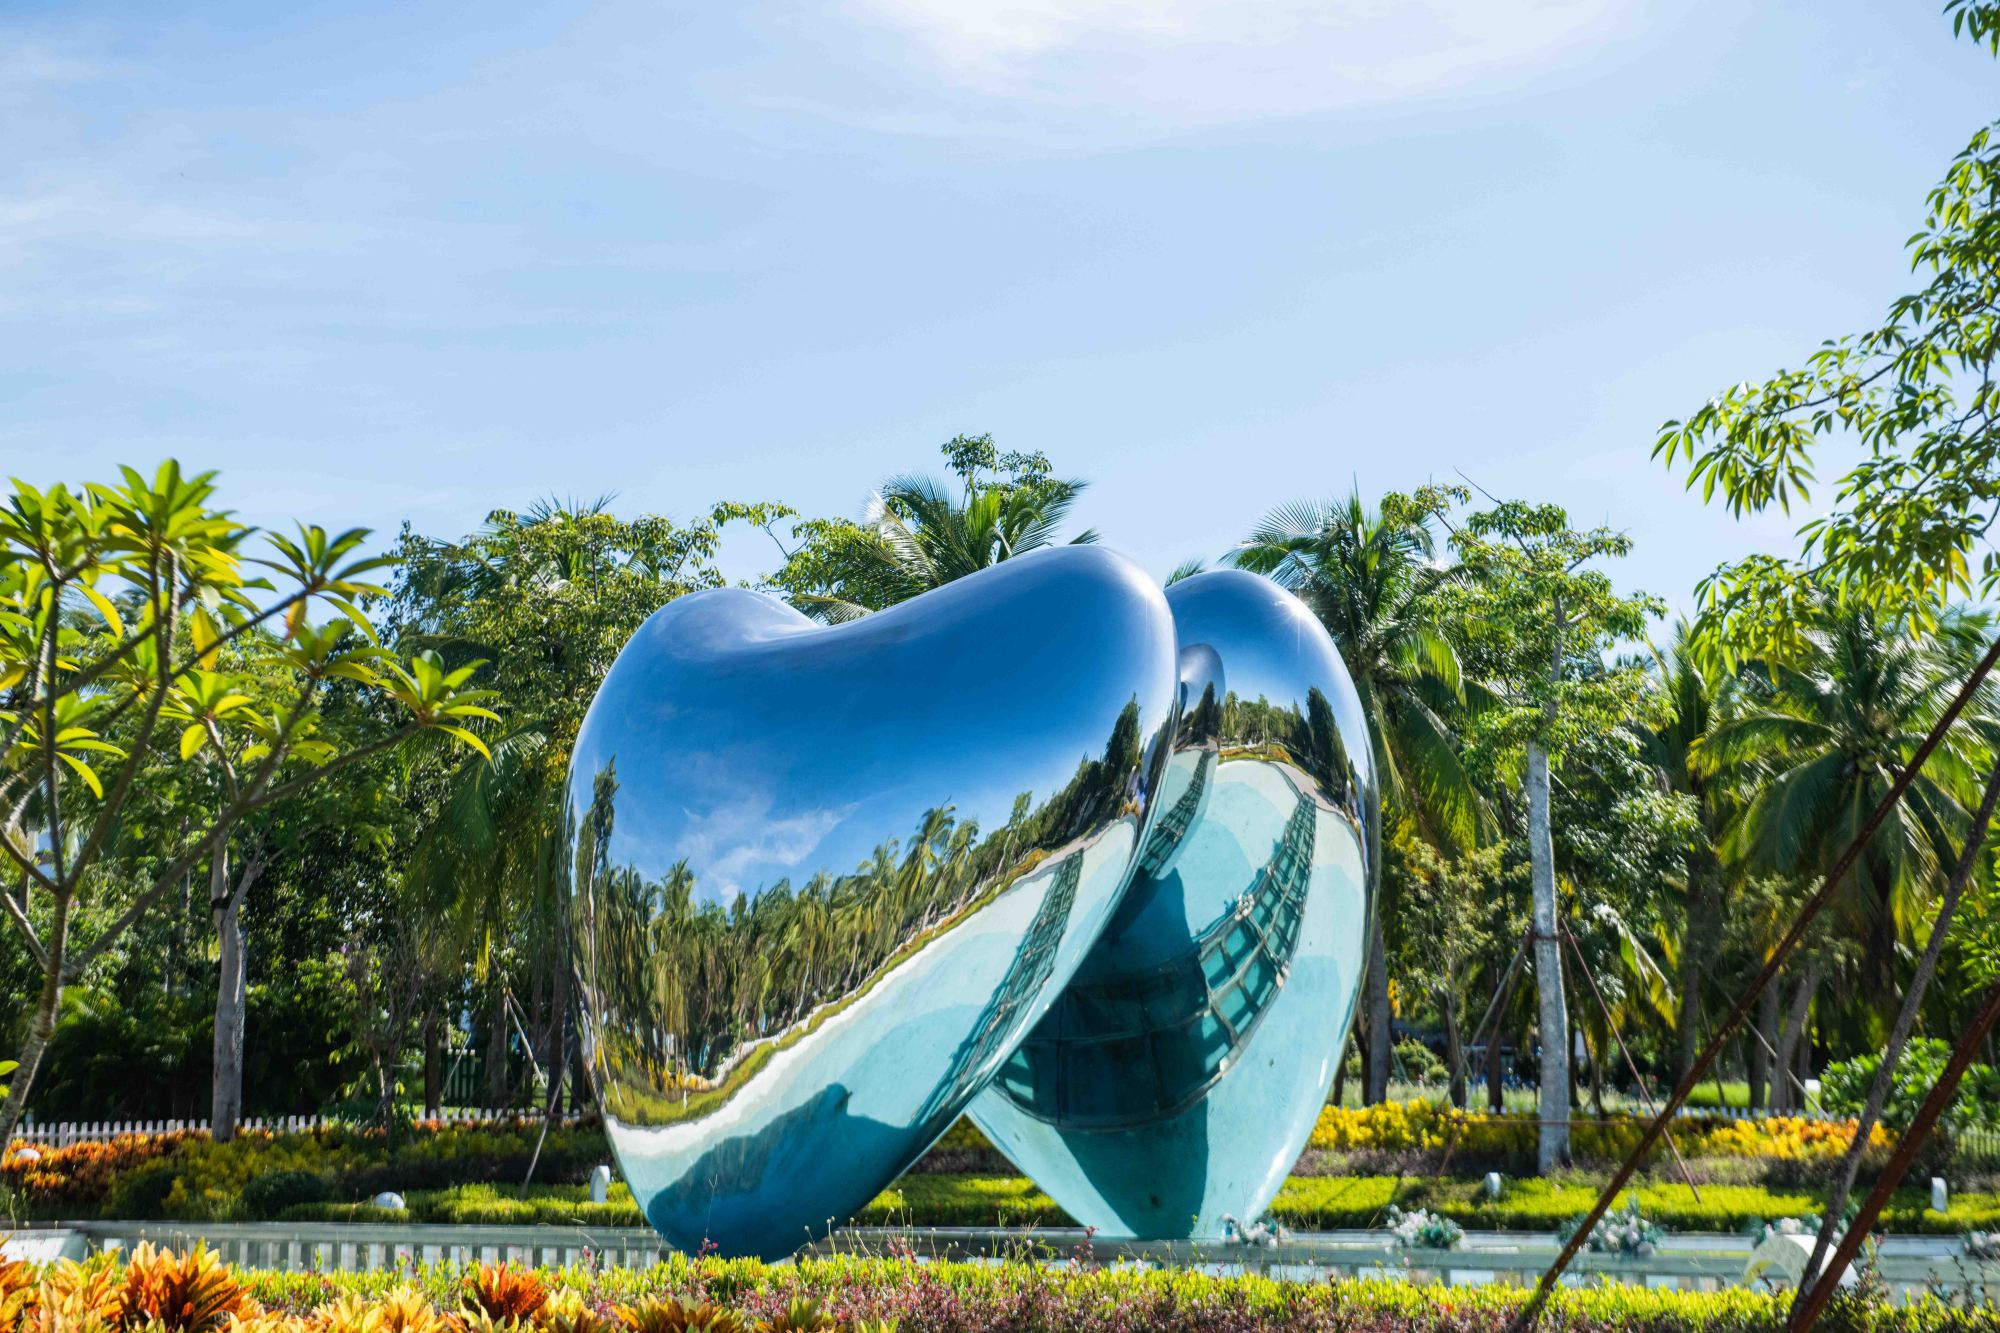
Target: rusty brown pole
(1741,1009)
(1899,1163)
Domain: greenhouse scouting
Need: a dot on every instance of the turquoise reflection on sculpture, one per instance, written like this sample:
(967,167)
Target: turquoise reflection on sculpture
(824,878)
(1179,1075)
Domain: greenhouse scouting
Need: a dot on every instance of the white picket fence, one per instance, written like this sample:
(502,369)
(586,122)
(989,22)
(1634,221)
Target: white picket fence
(62,1134)
(83,1131)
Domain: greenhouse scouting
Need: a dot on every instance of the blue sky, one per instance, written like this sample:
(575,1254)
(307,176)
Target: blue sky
(379,262)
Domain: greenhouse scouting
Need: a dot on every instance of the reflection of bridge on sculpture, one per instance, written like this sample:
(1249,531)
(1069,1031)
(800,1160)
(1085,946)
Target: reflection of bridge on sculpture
(1131,1049)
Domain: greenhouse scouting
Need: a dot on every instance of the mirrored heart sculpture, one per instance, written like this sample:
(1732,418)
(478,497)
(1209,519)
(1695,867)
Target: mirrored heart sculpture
(1178,1077)
(823,879)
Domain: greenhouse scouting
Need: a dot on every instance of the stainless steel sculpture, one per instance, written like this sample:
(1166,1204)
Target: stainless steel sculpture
(1178,1077)
(823,879)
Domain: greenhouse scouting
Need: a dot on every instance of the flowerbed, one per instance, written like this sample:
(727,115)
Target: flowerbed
(195,1294)
(186,1175)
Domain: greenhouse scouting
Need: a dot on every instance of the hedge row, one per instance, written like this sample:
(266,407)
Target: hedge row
(1316,1203)
(164,1293)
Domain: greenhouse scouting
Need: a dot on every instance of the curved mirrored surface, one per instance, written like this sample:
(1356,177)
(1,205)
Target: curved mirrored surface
(1179,1075)
(825,878)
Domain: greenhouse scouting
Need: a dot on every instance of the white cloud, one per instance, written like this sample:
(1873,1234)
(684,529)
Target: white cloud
(1190,63)
(738,846)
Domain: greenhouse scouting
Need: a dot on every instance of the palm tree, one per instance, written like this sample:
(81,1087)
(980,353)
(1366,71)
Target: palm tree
(917,534)
(1371,577)
(1691,690)
(1816,741)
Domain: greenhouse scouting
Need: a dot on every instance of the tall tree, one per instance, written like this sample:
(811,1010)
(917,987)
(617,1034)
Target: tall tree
(547,598)
(150,689)
(1539,619)
(1816,740)
(1373,579)
(1909,529)
(1689,691)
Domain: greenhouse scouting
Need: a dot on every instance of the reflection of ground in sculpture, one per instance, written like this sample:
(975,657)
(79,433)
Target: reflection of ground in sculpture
(1001,1017)
(1122,1096)
(1173,825)
(1166,1038)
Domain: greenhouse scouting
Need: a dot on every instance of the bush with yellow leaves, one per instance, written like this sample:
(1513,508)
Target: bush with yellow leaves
(1421,1126)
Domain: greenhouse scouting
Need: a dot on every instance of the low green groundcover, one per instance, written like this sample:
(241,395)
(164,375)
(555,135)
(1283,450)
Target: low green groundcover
(1307,1203)
(1029,1298)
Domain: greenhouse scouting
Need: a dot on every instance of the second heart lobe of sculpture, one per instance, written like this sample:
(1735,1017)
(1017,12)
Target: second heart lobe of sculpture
(1176,1079)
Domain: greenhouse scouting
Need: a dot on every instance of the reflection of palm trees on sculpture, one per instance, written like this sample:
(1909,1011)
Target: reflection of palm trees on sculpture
(687,989)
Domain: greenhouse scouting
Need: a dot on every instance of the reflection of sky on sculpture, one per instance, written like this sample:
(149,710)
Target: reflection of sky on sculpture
(737,772)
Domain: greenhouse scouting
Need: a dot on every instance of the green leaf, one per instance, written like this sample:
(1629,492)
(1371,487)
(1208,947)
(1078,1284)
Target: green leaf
(104,608)
(466,738)
(83,771)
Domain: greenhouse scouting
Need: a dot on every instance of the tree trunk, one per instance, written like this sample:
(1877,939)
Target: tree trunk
(1802,1053)
(433,1063)
(1763,1092)
(225,1106)
(43,1029)
(1496,1095)
(1790,1039)
(1454,1043)
(496,1048)
(1552,1010)
(1381,1041)
(1696,945)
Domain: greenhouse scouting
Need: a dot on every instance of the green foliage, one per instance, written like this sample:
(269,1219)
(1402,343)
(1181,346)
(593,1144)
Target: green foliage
(1372,578)
(1419,1063)
(269,1195)
(1844,1087)
(1305,1203)
(917,535)
(1915,393)
(1814,741)
(1538,616)
(133,638)
(189,1176)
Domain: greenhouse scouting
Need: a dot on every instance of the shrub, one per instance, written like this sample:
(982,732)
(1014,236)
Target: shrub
(1844,1087)
(1420,1064)
(268,1196)
(1422,1126)
(1624,1231)
(180,1293)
